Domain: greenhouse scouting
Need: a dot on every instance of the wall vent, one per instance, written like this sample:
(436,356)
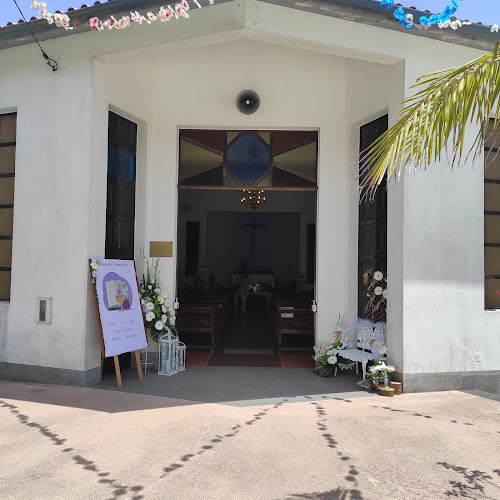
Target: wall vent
(43,310)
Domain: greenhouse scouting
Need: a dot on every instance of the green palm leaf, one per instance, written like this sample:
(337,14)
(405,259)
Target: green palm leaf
(448,101)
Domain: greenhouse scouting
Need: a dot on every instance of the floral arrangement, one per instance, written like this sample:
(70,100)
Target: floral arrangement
(326,356)
(375,283)
(155,304)
(379,375)
(194,282)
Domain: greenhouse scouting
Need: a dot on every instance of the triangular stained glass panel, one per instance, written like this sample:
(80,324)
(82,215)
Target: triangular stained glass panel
(284,178)
(213,140)
(266,181)
(231,136)
(248,158)
(265,136)
(212,177)
(300,161)
(194,160)
(231,181)
(284,141)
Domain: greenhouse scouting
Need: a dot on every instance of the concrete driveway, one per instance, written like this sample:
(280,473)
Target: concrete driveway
(92,443)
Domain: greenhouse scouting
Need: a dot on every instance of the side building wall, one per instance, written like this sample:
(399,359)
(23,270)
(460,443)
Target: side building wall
(51,214)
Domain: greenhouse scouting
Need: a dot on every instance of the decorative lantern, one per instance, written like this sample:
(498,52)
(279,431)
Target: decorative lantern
(172,355)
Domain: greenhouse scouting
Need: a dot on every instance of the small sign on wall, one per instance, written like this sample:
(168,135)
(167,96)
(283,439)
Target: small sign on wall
(161,248)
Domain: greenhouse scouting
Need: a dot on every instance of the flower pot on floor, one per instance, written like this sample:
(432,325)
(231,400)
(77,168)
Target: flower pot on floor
(386,391)
(398,388)
(323,371)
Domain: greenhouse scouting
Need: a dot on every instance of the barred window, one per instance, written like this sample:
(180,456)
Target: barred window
(492,219)
(7,172)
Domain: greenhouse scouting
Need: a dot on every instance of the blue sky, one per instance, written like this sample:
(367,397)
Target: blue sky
(486,11)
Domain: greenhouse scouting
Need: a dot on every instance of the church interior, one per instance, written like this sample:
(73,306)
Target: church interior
(246,241)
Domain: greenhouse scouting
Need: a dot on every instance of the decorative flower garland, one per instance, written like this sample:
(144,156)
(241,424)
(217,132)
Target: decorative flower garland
(164,15)
(442,20)
(94,266)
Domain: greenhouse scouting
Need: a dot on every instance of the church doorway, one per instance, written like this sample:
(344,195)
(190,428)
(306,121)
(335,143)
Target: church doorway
(246,256)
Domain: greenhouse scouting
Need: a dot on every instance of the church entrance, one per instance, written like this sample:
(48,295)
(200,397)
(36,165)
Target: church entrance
(246,243)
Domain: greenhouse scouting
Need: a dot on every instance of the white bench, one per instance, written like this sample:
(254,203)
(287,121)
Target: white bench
(366,337)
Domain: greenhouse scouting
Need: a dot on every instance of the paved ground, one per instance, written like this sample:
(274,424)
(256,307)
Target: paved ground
(92,443)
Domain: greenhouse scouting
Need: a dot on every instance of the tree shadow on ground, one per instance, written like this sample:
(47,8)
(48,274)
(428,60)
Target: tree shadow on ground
(117,488)
(339,493)
(416,414)
(211,444)
(352,473)
(473,483)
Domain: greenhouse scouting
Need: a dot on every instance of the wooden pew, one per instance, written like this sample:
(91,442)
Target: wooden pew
(222,303)
(293,321)
(197,325)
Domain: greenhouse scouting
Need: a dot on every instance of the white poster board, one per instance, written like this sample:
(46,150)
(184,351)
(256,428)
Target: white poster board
(119,307)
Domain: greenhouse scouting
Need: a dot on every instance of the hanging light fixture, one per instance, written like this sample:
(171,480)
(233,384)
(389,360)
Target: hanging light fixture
(253,198)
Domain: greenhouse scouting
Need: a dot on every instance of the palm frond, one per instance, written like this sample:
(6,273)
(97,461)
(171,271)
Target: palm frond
(441,111)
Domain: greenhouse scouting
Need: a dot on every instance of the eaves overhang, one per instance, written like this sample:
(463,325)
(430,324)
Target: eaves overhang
(368,12)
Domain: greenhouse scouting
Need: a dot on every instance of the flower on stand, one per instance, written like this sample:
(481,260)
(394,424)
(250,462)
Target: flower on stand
(157,317)
(326,357)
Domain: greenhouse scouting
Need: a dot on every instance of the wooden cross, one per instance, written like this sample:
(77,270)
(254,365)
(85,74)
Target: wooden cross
(253,226)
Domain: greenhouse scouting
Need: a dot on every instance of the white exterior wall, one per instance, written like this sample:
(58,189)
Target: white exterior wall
(446,329)
(51,207)
(310,71)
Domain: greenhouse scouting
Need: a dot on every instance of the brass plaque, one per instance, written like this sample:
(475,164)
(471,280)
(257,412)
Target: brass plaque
(161,248)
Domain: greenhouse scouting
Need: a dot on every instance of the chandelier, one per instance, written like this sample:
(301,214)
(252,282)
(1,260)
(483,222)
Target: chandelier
(253,198)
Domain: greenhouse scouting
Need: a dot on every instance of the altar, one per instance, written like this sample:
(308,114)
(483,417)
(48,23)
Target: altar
(252,284)
(255,279)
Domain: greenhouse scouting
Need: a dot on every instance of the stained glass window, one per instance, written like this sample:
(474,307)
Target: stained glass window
(242,159)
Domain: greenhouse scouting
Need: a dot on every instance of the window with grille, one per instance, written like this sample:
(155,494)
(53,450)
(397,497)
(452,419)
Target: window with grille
(492,219)
(7,172)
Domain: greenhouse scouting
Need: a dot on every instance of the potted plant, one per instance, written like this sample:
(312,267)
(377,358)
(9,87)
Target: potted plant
(380,377)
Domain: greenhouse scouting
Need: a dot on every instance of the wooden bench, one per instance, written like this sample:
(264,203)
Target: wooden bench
(197,323)
(293,321)
(221,314)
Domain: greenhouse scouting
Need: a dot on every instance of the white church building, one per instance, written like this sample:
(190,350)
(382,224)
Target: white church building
(137,138)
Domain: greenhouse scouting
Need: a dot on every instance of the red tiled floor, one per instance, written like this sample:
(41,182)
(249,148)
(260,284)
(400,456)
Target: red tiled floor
(197,358)
(296,360)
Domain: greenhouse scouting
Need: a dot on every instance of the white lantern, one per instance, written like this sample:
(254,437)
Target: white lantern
(172,355)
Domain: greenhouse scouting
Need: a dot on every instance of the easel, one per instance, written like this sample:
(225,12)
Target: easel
(117,364)
(115,358)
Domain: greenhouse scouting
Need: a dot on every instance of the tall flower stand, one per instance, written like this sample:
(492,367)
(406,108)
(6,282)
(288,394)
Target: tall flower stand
(149,358)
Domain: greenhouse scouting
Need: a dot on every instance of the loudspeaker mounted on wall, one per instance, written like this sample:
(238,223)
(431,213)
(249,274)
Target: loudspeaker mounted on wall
(248,101)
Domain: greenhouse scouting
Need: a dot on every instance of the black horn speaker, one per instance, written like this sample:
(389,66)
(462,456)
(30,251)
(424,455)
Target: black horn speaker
(248,101)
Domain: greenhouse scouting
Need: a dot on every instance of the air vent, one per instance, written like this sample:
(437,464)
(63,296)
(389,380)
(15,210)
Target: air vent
(43,310)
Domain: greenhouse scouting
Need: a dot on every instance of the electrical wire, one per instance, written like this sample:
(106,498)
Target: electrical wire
(50,61)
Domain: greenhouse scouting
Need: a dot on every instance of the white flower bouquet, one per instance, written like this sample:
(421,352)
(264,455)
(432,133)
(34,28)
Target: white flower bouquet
(326,357)
(380,375)
(158,316)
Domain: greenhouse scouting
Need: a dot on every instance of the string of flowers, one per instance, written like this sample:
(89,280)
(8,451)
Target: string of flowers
(94,266)
(164,14)
(442,20)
